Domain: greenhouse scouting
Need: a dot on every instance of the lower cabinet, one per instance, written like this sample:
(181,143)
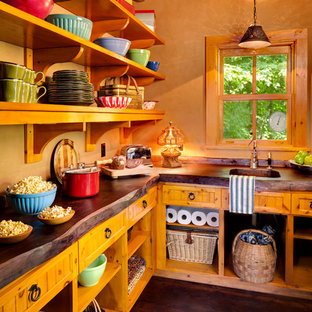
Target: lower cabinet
(54,286)
(285,211)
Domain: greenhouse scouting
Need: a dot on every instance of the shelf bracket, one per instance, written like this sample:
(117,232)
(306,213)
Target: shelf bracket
(126,133)
(95,130)
(44,58)
(142,43)
(99,73)
(101,27)
(37,136)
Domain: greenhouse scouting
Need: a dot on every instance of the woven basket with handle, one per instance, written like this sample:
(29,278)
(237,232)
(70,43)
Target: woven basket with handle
(254,263)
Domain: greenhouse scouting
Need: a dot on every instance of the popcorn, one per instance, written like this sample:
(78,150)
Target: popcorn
(31,185)
(55,212)
(11,228)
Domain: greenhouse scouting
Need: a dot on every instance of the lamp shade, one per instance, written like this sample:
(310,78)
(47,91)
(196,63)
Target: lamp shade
(170,136)
(254,38)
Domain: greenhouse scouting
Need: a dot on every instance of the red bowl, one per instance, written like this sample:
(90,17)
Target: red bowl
(39,8)
(113,101)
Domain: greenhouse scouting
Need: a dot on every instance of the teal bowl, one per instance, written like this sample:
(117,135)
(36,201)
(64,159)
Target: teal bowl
(77,25)
(140,56)
(91,275)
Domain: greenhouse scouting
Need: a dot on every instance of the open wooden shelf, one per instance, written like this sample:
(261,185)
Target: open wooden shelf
(137,240)
(139,287)
(204,227)
(86,294)
(303,234)
(302,277)
(192,268)
(52,44)
(111,10)
(23,113)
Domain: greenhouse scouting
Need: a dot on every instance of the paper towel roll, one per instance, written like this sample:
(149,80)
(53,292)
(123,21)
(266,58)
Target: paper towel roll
(213,219)
(171,215)
(184,217)
(199,218)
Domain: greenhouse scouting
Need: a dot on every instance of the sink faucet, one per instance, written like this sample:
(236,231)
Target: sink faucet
(254,157)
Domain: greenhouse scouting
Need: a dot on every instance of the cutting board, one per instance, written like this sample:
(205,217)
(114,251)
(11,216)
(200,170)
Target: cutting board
(115,173)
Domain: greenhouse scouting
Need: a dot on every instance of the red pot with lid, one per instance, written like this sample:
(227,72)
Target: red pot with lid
(84,182)
(77,179)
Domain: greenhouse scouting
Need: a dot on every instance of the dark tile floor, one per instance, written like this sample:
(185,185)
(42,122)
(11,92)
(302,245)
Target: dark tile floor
(167,295)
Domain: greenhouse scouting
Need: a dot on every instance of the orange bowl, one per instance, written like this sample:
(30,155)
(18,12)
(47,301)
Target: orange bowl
(16,238)
(56,221)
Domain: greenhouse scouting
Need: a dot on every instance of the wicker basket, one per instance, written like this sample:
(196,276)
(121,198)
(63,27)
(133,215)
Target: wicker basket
(190,246)
(254,263)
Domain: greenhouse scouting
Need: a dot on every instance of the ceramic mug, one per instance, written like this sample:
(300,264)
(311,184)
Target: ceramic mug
(11,70)
(10,90)
(30,76)
(34,93)
(25,93)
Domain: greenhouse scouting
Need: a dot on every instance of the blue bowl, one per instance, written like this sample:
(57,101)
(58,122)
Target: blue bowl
(117,45)
(153,65)
(30,204)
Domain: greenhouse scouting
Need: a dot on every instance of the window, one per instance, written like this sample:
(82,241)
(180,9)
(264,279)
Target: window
(258,94)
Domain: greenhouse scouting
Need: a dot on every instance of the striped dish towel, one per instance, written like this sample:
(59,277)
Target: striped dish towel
(242,189)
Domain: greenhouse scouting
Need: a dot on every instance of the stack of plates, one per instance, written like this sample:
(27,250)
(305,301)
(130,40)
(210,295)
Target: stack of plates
(70,87)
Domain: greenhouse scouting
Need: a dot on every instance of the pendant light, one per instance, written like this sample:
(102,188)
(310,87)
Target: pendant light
(255,36)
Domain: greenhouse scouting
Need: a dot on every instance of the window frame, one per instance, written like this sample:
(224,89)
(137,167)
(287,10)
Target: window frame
(297,84)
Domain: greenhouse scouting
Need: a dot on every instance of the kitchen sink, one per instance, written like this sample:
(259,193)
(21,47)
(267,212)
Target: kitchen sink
(268,173)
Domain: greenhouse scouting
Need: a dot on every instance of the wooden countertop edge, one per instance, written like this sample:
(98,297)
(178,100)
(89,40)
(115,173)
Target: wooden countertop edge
(23,263)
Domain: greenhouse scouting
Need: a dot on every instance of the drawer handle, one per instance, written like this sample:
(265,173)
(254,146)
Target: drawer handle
(144,204)
(311,205)
(108,233)
(191,196)
(35,292)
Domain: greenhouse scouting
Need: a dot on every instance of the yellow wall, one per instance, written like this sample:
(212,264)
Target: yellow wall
(184,25)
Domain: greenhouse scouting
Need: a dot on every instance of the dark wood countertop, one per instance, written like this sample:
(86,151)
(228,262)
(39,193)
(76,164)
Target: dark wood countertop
(45,242)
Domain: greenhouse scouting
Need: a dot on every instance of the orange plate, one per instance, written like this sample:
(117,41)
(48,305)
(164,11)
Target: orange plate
(16,238)
(56,221)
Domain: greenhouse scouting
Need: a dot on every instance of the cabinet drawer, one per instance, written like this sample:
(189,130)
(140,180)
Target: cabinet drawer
(301,204)
(97,240)
(181,195)
(35,289)
(266,202)
(141,206)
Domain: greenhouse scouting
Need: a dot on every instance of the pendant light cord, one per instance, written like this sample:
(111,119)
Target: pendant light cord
(255,13)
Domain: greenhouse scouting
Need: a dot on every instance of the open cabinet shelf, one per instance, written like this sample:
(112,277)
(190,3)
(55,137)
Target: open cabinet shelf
(87,293)
(111,9)
(55,44)
(138,238)
(139,287)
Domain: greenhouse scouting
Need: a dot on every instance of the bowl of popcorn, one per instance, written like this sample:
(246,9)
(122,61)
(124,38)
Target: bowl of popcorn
(13,231)
(56,215)
(31,195)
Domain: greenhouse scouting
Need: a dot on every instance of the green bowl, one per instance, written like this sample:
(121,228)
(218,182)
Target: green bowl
(140,56)
(77,25)
(91,275)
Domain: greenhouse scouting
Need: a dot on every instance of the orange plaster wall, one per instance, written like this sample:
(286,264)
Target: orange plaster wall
(184,25)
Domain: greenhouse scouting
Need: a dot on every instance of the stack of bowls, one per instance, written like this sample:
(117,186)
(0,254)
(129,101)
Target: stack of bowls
(77,25)
(18,83)
(70,87)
